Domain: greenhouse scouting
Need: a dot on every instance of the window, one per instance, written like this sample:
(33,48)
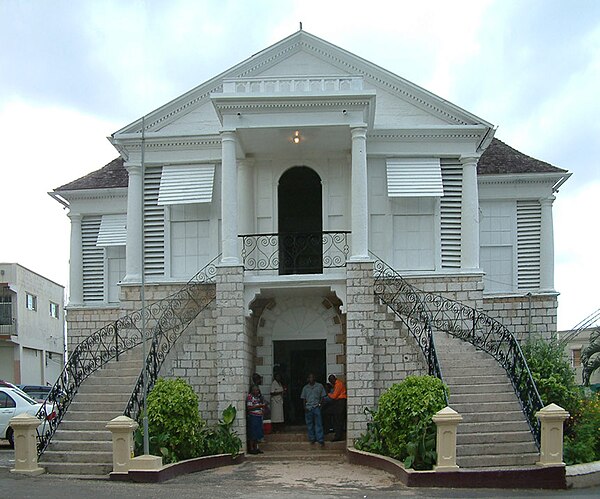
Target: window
(413,233)
(5,310)
(6,402)
(576,357)
(190,239)
(54,310)
(30,301)
(497,253)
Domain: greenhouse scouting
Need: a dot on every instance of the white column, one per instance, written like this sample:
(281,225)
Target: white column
(469,214)
(76,262)
(229,200)
(547,246)
(360,204)
(246,197)
(133,250)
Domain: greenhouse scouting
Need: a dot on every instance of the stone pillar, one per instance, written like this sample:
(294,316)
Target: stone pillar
(229,200)
(246,197)
(469,214)
(360,200)
(24,427)
(446,421)
(76,262)
(234,355)
(552,418)
(360,369)
(547,246)
(122,429)
(133,256)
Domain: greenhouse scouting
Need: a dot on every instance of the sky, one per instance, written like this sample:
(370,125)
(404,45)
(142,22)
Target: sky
(72,73)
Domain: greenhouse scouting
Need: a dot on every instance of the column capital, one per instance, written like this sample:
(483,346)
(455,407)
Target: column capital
(228,135)
(466,159)
(547,201)
(359,131)
(133,168)
(75,217)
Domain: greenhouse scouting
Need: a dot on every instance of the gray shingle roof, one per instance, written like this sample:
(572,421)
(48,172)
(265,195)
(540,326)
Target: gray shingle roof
(111,175)
(499,158)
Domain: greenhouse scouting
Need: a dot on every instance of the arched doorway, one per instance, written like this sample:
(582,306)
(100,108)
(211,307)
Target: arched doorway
(300,222)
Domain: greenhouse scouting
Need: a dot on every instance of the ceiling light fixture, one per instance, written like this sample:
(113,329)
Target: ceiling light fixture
(296,137)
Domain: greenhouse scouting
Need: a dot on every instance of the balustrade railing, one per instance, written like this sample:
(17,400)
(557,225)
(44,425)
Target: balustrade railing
(166,318)
(293,84)
(457,319)
(295,252)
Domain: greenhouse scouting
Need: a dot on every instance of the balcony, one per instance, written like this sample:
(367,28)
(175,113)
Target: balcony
(295,253)
(293,85)
(8,328)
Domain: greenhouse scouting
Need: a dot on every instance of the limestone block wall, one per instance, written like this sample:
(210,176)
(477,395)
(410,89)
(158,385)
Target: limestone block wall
(396,353)
(83,321)
(525,315)
(467,289)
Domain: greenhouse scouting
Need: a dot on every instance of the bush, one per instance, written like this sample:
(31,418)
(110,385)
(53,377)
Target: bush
(552,373)
(402,427)
(174,421)
(582,445)
(222,439)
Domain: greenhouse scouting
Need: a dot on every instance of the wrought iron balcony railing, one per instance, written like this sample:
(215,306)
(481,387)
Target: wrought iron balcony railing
(162,321)
(295,252)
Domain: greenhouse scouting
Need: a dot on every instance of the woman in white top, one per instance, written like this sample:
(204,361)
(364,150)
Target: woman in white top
(277,393)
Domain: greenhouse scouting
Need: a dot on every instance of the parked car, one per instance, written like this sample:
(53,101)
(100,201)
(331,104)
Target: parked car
(38,392)
(12,403)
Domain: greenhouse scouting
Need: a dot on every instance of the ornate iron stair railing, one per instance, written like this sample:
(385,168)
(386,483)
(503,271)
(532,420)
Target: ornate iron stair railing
(471,325)
(164,336)
(406,303)
(172,314)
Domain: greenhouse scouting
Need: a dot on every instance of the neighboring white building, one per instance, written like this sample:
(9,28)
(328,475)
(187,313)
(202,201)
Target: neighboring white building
(32,340)
(574,346)
(305,138)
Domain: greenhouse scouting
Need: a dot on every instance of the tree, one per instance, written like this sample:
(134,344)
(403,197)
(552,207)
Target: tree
(590,356)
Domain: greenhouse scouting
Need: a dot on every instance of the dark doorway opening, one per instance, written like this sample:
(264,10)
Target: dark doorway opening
(300,222)
(295,359)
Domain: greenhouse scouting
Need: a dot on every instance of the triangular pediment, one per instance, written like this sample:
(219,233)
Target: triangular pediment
(399,103)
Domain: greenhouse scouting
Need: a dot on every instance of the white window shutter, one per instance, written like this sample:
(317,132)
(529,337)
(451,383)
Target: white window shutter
(450,213)
(154,224)
(183,184)
(113,230)
(529,225)
(93,260)
(414,177)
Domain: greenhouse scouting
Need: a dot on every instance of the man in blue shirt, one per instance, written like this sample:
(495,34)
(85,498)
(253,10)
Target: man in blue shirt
(312,395)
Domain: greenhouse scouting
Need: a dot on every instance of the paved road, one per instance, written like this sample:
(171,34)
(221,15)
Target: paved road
(250,480)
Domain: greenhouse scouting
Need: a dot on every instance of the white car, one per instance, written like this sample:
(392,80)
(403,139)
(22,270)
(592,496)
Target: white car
(12,403)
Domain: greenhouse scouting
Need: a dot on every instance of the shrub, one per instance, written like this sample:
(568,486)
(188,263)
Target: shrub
(222,439)
(174,421)
(582,445)
(402,427)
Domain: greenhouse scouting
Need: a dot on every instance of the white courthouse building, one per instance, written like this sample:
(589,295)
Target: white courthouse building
(298,170)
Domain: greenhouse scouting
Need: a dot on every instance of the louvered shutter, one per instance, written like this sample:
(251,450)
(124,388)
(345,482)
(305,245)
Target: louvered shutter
(93,260)
(113,230)
(450,213)
(182,184)
(154,224)
(529,224)
(414,177)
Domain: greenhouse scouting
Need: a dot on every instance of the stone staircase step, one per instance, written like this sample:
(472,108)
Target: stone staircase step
(97,457)
(490,379)
(460,361)
(83,435)
(487,417)
(474,398)
(481,388)
(492,437)
(287,437)
(122,387)
(498,448)
(450,372)
(64,445)
(79,469)
(91,415)
(112,381)
(85,425)
(94,397)
(301,446)
(312,455)
(492,427)
(108,406)
(499,460)
(472,407)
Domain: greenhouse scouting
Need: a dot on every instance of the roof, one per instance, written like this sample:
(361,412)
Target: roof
(499,158)
(109,176)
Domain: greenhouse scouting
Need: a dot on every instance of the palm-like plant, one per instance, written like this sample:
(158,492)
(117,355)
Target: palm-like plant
(590,356)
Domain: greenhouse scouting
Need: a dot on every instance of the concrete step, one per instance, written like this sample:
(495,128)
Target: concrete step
(301,446)
(287,437)
(451,372)
(92,415)
(498,448)
(485,417)
(488,379)
(79,469)
(481,388)
(472,407)
(95,457)
(317,454)
(60,445)
(83,435)
(493,427)
(85,425)
(131,370)
(493,461)
(95,398)
(111,381)
(110,406)
(123,387)
(475,398)
(463,360)
(493,437)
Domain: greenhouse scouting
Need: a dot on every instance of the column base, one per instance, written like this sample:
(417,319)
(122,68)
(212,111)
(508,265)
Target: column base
(145,463)
(132,279)
(33,472)
(446,468)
